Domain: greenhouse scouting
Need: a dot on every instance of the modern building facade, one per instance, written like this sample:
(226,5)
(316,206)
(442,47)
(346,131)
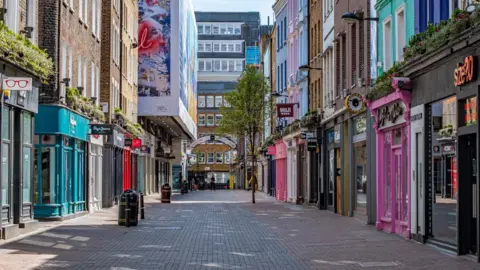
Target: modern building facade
(18,193)
(227,41)
(167,90)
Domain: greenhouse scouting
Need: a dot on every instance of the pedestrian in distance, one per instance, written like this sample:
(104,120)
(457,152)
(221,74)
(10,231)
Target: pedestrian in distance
(212,183)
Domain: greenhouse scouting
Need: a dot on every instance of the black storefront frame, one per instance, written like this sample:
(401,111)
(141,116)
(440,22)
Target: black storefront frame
(112,171)
(433,80)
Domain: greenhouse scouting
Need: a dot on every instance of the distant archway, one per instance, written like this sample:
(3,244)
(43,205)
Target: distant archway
(205,139)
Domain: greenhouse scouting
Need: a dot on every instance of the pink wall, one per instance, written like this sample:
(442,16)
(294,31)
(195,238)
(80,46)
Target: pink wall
(281,170)
(393,156)
(293,52)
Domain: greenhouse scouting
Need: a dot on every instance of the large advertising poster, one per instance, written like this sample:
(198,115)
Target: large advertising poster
(188,58)
(154,79)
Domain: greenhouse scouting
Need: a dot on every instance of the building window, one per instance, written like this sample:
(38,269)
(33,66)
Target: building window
(223,47)
(218,118)
(239,65)
(208,47)
(215,29)
(201,47)
(207,29)
(208,65)
(201,158)
(231,65)
(216,47)
(238,47)
(224,65)
(400,32)
(201,65)
(225,103)
(219,158)
(387,45)
(231,47)
(210,120)
(201,101)
(201,119)
(6,126)
(223,29)
(230,29)
(27,156)
(210,101)
(210,159)
(217,65)
(200,29)
(218,101)
(227,157)
(237,30)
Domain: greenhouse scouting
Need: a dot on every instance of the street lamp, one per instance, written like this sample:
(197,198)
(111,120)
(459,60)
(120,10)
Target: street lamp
(350,17)
(306,68)
(276,94)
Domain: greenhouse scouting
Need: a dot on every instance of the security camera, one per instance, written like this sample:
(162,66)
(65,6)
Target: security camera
(402,83)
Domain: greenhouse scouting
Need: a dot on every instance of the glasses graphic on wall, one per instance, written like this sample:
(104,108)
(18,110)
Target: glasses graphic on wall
(17,84)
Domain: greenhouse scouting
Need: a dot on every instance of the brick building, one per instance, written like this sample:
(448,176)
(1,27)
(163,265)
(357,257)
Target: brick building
(315,24)
(70,31)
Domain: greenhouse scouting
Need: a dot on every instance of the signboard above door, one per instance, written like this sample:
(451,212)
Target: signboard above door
(390,115)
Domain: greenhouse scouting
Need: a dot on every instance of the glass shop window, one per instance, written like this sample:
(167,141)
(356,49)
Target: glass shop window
(48,175)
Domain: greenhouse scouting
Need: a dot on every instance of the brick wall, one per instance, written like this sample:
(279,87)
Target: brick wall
(355,59)
(108,68)
(54,17)
(315,43)
(129,87)
(212,148)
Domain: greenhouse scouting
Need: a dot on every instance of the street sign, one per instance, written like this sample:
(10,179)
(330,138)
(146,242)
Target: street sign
(312,144)
(17,84)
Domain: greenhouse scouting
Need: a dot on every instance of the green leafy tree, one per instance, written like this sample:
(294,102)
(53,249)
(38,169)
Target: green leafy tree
(249,106)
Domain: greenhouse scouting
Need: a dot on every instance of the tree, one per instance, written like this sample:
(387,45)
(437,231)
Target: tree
(249,106)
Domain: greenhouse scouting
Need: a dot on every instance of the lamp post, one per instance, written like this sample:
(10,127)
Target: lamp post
(350,17)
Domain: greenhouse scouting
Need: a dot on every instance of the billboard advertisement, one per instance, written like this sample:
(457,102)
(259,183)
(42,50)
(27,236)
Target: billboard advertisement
(188,58)
(167,48)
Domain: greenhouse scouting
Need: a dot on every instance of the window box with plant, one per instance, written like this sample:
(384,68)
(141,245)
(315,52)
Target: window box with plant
(20,51)
(309,119)
(436,37)
(135,130)
(83,105)
(447,133)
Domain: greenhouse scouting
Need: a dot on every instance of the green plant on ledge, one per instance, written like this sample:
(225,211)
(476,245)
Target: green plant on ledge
(135,129)
(22,52)
(383,84)
(446,132)
(83,105)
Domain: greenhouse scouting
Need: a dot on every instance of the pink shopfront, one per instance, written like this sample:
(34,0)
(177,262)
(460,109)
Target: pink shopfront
(281,170)
(392,125)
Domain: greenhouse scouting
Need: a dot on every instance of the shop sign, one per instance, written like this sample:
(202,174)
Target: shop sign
(306,135)
(128,142)
(312,144)
(448,148)
(285,110)
(465,72)
(136,143)
(17,84)
(436,149)
(354,103)
(101,129)
(470,111)
(416,117)
(145,149)
(331,136)
(391,115)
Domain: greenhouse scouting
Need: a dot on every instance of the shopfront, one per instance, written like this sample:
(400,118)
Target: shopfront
(358,161)
(392,125)
(281,170)
(112,169)
(61,162)
(444,147)
(95,161)
(17,184)
(271,170)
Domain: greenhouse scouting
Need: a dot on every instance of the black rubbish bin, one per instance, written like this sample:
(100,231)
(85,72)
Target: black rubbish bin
(166,193)
(128,208)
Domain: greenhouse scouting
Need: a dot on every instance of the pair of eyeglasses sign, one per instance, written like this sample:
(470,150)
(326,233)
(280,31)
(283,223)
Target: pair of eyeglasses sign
(17,84)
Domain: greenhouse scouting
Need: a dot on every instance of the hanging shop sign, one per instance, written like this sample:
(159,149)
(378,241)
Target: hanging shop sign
(354,103)
(285,110)
(312,144)
(128,142)
(390,115)
(465,72)
(306,135)
(145,149)
(136,143)
(101,129)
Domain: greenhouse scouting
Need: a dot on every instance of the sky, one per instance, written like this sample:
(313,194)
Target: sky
(262,6)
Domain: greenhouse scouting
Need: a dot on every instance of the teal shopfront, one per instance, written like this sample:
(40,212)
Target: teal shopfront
(60,156)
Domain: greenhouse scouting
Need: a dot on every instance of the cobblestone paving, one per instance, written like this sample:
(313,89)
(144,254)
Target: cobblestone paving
(222,230)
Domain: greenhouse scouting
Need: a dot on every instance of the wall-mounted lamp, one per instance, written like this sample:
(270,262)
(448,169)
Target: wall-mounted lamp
(80,89)
(93,99)
(3,11)
(27,31)
(66,81)
(134,45)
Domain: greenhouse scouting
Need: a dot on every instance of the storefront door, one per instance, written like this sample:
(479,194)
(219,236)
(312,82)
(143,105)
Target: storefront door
(399,202)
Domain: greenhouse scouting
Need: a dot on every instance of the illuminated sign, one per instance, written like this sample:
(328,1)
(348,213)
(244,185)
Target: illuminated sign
(464,72)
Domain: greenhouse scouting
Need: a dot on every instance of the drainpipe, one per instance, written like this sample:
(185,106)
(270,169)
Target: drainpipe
(121,56)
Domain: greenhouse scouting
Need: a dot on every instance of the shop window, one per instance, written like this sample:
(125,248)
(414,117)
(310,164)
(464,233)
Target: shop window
(210,159)
(227,157)
(27,157)
(219,158)
(6,123)
(5,173)
(68,178)
(387,197)
(47,166)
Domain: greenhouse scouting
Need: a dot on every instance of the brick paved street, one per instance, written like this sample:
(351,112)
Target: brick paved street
(222,230)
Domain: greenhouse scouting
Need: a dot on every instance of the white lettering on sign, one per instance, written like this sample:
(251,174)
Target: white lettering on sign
(285,110)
